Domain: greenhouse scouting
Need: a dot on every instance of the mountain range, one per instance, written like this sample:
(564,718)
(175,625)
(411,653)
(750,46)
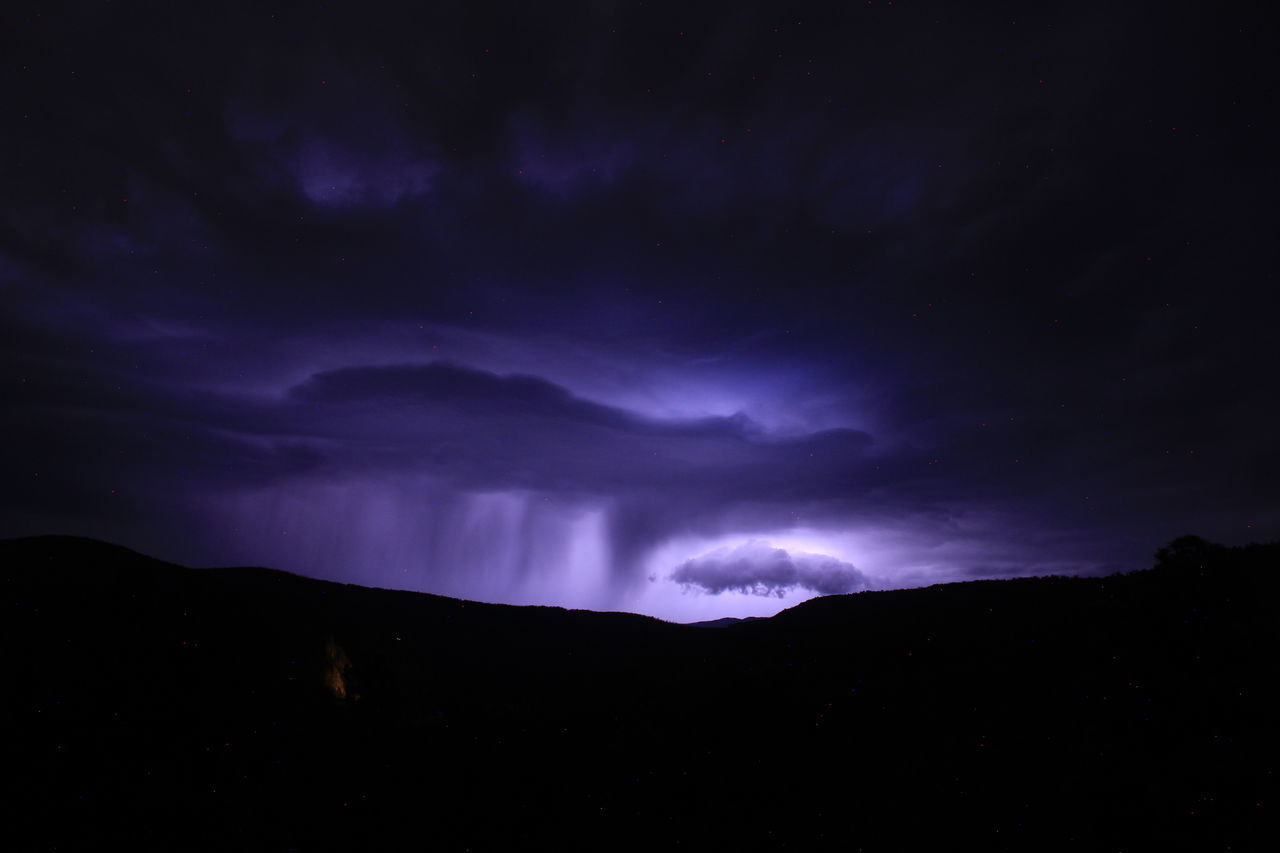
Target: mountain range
(152,706)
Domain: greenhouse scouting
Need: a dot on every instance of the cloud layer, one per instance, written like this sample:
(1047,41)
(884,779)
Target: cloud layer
(757,568)
(422,296)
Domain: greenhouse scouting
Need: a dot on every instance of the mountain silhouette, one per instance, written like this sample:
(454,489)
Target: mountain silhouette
(151,706)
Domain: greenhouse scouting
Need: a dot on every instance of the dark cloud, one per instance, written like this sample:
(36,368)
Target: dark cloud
(757,568)
(440,384)
(1000,278)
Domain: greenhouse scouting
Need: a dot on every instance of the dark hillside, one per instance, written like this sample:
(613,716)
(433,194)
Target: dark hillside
(151,706)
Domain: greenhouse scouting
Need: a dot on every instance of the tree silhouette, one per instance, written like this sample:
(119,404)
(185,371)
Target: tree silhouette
(1185,551)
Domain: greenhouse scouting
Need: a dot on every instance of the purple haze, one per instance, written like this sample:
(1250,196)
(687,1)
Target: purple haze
(610,307)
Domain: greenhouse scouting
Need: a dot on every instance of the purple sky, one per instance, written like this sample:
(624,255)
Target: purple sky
(694,312)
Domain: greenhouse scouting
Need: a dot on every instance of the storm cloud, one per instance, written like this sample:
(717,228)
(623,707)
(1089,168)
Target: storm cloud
(531,306)
(757,568)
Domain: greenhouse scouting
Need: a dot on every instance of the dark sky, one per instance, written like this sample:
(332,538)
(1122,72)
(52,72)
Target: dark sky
(690,309)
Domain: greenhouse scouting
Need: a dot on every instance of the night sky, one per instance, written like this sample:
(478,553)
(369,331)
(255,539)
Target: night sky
(691,310)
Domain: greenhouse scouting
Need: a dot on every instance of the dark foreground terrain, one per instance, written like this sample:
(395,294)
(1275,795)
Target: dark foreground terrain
(149,706)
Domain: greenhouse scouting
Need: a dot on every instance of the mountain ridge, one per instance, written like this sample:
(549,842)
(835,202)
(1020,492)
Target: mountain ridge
(1060,713)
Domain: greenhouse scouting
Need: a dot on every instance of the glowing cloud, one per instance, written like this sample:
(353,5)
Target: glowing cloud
(757,568)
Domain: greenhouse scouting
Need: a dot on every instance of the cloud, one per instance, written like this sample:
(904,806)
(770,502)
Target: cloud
(332,176)
(432,435)
(757,568)
(684,240)
(523,431)
(483,393)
